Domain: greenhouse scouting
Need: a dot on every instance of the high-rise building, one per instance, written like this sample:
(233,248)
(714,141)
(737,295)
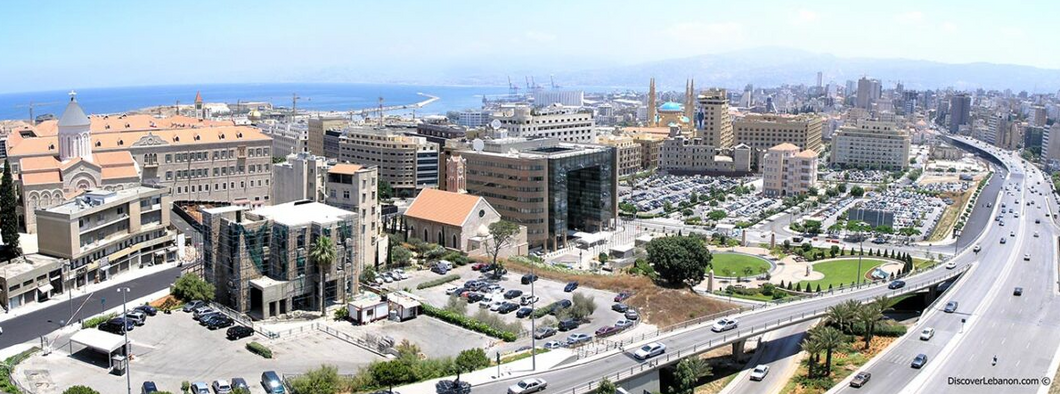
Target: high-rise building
(871,144)
(549,186)
(317,128)
(353,188)
(712,120)
(868,92)
(787,170)
(1038,116)
(565,124)
(764,131)
(409,164)
(820,79)
(473,118)
(301,176)
(960,110)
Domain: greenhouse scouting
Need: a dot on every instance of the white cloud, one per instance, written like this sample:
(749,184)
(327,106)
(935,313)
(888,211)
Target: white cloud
(910,17)
(539,36)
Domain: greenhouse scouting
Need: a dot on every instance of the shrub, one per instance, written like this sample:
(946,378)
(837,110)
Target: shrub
(342,313)
(80,390)
(439,281)
(191,287)
(96,321)
(6,367)
(468,323)
(259,349)
(324,380)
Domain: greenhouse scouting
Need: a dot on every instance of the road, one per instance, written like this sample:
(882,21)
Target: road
(778,350)
(33,325)
(1020,331)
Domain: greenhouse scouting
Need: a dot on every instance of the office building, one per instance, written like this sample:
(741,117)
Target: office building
(565,124)
(104,233)
(629,151)
(650,146)
(473,118)
(198,160)
(353,188)
(258,259)
(409,164)
(318,127)
(960,108)
(787,170)
(301,177)
(683,155)
(458,221)
(868,92)
(566,98)
(1038,116)
(287,138)
(713,123)
(871,144)
(764,131)
(549,186)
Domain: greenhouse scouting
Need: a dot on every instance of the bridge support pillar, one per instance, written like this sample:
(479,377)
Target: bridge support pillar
(737,350)
(931,295)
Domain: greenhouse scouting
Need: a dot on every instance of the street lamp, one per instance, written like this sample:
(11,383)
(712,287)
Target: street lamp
(533,329)
(128,365)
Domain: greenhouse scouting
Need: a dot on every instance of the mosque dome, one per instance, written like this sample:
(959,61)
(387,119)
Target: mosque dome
(671,106)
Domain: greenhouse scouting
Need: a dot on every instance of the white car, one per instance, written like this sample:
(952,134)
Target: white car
(724,324)
(1026,257)
(552,345)
(221,386)
(760,372)
(530,385)
(951,265)
(496,306)
(485,302)
(450,290)
(650,350)
(1035,234)
(927,334)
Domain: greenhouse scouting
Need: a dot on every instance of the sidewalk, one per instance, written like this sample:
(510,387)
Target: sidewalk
(91,288)
(545,362)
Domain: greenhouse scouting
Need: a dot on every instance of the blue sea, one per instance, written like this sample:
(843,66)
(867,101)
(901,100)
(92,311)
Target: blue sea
(313,96)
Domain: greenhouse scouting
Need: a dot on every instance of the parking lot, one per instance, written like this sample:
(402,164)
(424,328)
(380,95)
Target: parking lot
(170,349)
(424,332)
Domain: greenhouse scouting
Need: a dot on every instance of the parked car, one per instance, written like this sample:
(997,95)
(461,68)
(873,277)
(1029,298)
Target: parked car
(478,266)
(512,294)
(544,332)
(578,338)
(452,387)
(759,372)
(650,350)
(148,387)
(239,383)
(571,286)
(950,307)
(220,321)
(524,312)
(453,290)
(568,324)
(632,314)
(552,345)
(1017,291)
(495,306)
(624,324)
(204,318)
(919,361)
(561,304)
(112,327)
(508,307)
(147,310)
(201,311)
(620,308)
(238,332)
(475,297)
(528,278)
(527,299)
(200,388)
(528,385)
(725,324)
(860,379)
(191,306)
(221,386)
(607,331)
(137,317)
(897,284)
(927,333)
(623,295)
(272,383)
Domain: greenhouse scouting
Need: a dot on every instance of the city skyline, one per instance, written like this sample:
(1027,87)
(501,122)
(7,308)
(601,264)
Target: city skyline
(134,44)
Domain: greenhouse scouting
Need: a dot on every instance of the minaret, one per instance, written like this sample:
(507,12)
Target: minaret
(690,100)
(651,103)
(75,139)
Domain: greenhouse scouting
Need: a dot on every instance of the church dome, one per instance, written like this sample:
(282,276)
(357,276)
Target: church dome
(73,115)
(671,106)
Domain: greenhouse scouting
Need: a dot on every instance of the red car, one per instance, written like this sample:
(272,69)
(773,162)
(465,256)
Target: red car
(623,295)
(478,266)
(607,331)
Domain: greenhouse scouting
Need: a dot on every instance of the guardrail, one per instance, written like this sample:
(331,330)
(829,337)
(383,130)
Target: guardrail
(739,335)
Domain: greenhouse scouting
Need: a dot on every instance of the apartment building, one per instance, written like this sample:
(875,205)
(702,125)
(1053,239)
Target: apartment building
(287,138)
(713,121)
(549,186)
(302,176)
(650,145)
(258,259)
(555,121)
(103,233)
(787,170)
(764,131)
(683,155)
(353,188)
(629,151)
(871,144)
(409,164)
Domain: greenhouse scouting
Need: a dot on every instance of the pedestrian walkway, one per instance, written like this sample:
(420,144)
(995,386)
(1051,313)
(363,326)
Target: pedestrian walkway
(515,369)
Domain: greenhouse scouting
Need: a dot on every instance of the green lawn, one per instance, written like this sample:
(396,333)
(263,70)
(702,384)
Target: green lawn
(842,271)
(736,263)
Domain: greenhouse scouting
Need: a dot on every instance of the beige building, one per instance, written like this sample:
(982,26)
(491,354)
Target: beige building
(353,188)
(317,128)
(713,121)
(650,145)
(458,221)
(198,160)
(681,155)
(788,171)
(103,233)
(629,153)
(29,279)
(764,131)
(871,144)
(407,163)
(301,177)
(554,121)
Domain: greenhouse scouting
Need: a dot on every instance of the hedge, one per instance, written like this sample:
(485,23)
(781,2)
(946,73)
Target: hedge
(882,329)
(467,322)
(259,349)
(8,366)
(96,321)
(440,281)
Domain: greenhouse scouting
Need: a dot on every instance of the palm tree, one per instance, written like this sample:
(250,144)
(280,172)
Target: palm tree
(813,347)
(842,314)
(323,255)
(830,339)
(870,314)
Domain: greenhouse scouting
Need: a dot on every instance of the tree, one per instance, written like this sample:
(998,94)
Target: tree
(191,287)
(687,373)
(833,251)
(8,216)
(679,259)
(813,348)
(830,339)
(869,315)
(502,233)
(386,192)
(843,314)
(322,255)
(717,215)
(602,257)
(80,390)
(323,380)
(605,386)
(368,275)
(470,360)
(811,227)
(857,191)
(392,373)
(400,255)
(842,187)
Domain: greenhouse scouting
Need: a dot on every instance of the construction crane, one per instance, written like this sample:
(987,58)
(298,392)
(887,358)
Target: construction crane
(553,82)
(513,90)
(31,105)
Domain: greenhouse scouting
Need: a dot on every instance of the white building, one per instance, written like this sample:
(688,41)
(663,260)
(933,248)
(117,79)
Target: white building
(287,138)
(473,118)
(565,124)
(302,177)
(871,143)
(568,98)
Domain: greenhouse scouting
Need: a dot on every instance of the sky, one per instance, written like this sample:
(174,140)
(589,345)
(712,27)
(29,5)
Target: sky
(62,44)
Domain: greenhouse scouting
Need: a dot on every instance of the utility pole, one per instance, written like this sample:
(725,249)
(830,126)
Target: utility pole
(128,352)
(533,328)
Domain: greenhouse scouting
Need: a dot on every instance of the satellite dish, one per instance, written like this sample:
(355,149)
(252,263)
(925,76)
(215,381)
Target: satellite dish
(495,124)
(477,144)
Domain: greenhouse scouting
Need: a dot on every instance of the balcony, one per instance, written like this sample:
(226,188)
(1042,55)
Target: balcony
(104,223)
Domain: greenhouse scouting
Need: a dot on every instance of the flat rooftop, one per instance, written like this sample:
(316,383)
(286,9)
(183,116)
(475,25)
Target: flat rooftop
(96,198)
(304,212)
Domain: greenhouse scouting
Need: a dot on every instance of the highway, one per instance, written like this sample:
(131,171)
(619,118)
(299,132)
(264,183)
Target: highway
(778,350)
(1019,330)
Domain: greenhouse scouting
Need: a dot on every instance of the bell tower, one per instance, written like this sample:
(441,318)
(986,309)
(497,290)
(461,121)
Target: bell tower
(75,134)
